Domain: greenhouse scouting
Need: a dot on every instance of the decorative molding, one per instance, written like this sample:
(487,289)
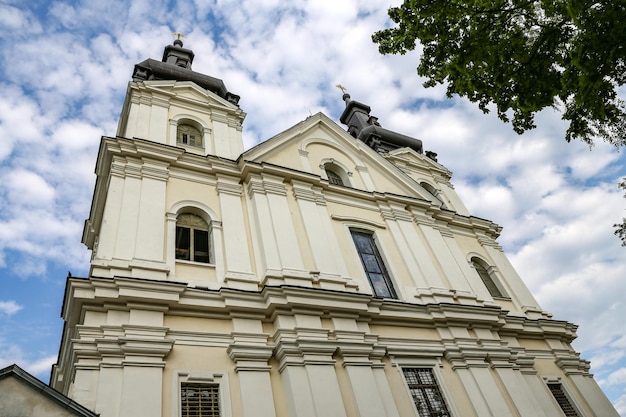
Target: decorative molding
(223,187)
(358,220)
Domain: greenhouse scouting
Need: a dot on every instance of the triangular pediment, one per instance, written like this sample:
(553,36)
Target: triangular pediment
(408,159)
(317,143)
(188,91)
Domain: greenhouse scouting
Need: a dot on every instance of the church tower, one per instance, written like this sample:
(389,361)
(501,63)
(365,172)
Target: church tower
(323,272)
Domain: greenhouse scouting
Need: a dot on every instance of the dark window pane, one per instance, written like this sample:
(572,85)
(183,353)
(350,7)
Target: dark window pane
(201,246)
(333,177)
(425,392)
(487,280)
(363,244)
(183,243)
(381,289)
(371,263)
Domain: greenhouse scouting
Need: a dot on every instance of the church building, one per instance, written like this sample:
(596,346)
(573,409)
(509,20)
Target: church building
(329,271)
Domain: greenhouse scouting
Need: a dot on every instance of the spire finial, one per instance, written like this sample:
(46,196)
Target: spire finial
(178,36)
(345,96)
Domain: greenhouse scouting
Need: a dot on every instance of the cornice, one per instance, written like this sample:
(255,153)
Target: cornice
(177,298)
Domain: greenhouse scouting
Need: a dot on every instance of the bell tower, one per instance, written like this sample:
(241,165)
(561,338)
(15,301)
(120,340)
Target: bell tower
(167,95)
(167,103)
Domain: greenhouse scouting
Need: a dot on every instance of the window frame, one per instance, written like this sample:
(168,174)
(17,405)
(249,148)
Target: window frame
(202,409)
(380,261)
(209,378)
(333,177)
(433,192)
(487,277)
(338,169)
(187,127)
(566,395)
(440,387)
(207,227)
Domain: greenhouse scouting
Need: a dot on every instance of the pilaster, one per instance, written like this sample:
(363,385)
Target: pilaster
(331,269)
(251,353)
(470,362)
(280,258)
(119,369)
(361,360)
(236,252)
(306,363)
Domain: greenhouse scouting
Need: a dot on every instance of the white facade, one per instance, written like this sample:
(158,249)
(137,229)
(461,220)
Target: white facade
(282,314)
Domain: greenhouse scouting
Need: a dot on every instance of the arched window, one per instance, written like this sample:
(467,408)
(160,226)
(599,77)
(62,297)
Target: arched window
(335,174)
(487,278)
(434,192)
(193,239)
(333,177)
(188,134)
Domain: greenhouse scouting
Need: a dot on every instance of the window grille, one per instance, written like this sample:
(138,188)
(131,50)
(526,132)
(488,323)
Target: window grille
(425,392)
(200,400)
(333,177)
(562,400)
(373,265)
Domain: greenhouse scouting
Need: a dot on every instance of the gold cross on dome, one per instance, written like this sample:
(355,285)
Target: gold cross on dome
(178,35)
(342,88)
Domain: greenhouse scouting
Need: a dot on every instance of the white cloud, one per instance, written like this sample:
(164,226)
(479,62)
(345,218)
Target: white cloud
(28,188)
(617,377)
(17,21)
(39,365)
(9,307)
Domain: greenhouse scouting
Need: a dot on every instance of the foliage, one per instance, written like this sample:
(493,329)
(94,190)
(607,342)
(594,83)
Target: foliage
(523,56)
(620,228)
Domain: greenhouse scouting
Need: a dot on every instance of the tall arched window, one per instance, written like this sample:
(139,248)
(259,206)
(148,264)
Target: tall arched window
(187,133)
(487,278)
(193,239)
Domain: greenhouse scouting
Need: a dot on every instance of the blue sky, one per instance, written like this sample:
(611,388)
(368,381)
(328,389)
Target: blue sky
(63,74)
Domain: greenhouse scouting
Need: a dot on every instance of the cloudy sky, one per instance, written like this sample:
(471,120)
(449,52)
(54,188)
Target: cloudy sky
(64,71)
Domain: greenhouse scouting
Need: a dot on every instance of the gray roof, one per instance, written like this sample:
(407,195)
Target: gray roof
(176,65)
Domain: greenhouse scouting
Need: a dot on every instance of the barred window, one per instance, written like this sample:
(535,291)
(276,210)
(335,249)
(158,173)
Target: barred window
(200,400)
(562,400)
(333,177)
(425,392)
(336,174)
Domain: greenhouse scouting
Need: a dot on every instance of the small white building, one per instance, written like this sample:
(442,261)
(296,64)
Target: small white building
(323,272)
